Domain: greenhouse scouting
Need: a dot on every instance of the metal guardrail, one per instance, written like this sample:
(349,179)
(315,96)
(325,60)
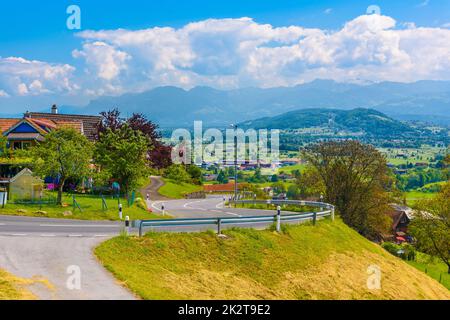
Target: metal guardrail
(327,210)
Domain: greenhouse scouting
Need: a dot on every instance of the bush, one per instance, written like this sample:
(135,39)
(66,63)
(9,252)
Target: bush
(405,251)
(176,172)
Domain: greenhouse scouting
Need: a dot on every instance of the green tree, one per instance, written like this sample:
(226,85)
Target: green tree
(354,176)
(178,173)
(221,178)
(431,226)
(65,154)
(123,153)
(3,146)
(195,173)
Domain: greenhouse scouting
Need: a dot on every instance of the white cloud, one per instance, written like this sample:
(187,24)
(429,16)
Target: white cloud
(229,53)
(105,59)
(24,77)
(423,3)
(242,52)
(328,11)
(3,94)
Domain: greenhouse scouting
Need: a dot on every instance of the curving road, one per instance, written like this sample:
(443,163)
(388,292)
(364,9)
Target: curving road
(46,248)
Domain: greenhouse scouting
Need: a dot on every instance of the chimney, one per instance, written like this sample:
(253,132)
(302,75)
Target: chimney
(54,109)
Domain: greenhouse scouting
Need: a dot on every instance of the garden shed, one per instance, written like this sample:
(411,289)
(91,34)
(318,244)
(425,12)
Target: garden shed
(25,186)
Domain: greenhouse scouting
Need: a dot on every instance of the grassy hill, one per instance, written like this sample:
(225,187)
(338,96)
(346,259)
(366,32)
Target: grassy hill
(367,121)
(176,190)
(327,261)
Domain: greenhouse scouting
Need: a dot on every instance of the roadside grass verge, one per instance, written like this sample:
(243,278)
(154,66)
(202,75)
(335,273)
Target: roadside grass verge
(91,206)
(13,288)
(326,261)
(177,190)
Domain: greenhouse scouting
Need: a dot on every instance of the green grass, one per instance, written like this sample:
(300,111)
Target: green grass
(433,267)
(177,190)
(327,261)
(414,155)
(413,196)
(91,206)
(291,169)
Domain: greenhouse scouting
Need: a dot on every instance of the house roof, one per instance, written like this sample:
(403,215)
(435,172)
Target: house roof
(25,136)
(5,124)
(89,123)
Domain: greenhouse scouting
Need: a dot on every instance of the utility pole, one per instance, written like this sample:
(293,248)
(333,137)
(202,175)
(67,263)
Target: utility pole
(235,127)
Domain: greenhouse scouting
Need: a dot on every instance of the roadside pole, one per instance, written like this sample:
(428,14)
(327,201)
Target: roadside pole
(163,209)
(120,211)
(278,219)
(127,225)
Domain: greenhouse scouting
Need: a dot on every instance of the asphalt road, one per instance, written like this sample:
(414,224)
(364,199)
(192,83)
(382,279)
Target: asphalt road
(46,248)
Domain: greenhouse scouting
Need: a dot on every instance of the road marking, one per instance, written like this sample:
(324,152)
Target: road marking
(154,204)
(101,236)
(2,224)
(19,234)
(234,214)
(48,235)
(78,226)
(187,205)
(75,235)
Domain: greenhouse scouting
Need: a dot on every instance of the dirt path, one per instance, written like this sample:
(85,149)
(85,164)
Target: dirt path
(152,189)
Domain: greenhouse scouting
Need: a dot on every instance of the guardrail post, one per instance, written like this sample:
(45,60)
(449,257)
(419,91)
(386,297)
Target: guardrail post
(140,229)
(219,226)
(314,218)
(278,219)
(332,213)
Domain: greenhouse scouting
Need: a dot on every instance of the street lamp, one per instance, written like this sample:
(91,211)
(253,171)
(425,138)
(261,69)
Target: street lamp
(235,127)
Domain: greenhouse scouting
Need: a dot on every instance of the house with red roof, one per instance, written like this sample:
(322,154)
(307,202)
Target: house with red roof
(33,127)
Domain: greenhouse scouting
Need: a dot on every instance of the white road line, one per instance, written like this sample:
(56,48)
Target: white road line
(19,234)
(220,205)
(154,204)
(48,235)
(101,236)
(2,224)
(78,226)
(75,235)
(234,214)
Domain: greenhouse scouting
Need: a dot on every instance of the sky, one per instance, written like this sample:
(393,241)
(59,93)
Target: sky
(132,46)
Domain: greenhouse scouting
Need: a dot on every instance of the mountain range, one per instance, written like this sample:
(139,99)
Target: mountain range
(175,107)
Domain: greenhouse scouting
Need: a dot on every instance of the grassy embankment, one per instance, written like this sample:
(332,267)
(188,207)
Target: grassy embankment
(13,288)
(176,190)
(91,206)
(327,261)
(433,267)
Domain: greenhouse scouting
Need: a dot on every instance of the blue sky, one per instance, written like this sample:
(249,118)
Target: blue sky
(32,29)
(41,60)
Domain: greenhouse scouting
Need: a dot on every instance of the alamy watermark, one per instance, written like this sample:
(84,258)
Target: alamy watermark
(74,280)
(374,278)
(225,147)
(73,22)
